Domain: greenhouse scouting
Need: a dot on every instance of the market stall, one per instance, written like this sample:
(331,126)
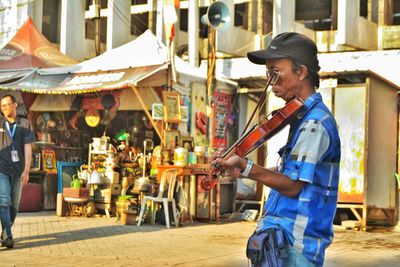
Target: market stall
(116,98)
(25,52)
(70,108)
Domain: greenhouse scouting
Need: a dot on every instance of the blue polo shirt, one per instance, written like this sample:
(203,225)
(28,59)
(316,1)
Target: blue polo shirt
(23,135)
(312,155)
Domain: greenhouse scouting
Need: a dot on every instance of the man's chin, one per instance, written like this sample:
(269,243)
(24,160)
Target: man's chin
(277,94)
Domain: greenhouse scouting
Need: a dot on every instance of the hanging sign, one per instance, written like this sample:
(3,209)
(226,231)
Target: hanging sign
(222,109)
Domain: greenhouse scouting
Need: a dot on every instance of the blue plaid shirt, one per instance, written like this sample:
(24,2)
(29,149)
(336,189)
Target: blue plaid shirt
(312,155)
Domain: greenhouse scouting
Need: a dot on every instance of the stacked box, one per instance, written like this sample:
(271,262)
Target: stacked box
(106,193)
(76,192)
(111,178)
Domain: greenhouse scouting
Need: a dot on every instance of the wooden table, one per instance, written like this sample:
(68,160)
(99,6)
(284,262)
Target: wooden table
(195,169)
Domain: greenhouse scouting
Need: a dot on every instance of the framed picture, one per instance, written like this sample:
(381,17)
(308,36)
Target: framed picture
(184,113)
(171,139)
(157,112)
(172,107)
(187,142)
(49,161)
(65,172)
(35,162)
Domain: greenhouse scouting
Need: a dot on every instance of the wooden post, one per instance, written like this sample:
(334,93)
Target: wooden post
(210,87)
(135,90)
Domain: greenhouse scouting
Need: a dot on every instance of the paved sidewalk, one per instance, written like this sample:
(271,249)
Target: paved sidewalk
(46,240)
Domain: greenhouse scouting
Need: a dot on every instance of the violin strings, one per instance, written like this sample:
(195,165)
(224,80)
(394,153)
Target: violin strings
(272,79)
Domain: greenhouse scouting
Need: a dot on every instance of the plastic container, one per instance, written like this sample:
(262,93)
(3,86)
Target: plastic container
(180,155)
(192,158)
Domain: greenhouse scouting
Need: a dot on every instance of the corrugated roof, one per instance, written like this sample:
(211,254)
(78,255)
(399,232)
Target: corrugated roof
(380,63)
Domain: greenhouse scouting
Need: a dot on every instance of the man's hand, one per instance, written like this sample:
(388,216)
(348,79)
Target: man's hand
(25,177)
(230,166)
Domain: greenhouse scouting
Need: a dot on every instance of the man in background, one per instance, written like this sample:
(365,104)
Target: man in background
(16,138)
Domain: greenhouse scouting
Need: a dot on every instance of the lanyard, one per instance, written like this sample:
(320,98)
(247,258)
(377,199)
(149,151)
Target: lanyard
(11,132)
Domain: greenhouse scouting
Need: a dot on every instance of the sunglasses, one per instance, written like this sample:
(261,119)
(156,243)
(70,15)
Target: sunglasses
(273,75)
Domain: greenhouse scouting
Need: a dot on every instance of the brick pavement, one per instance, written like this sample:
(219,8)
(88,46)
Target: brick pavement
(46,240)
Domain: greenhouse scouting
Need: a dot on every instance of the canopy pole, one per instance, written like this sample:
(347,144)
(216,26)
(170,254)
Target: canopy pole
(135,90)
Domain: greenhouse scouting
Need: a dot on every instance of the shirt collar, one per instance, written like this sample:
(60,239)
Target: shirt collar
(312,100)
(3,120)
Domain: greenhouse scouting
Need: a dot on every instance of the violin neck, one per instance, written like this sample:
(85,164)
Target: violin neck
(230,151)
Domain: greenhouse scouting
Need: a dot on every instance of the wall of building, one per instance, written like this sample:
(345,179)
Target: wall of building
(70,24)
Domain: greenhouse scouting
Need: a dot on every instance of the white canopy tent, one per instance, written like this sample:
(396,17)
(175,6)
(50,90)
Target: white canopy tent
(145,50)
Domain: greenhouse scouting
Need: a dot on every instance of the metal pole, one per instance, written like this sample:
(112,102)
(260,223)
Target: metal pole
(159,21)
(97,18)
(193,32)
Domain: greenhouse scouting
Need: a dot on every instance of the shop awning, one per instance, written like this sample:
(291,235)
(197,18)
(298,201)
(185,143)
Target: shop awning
(48,103)
(129,101)
(9,76)
(79,83)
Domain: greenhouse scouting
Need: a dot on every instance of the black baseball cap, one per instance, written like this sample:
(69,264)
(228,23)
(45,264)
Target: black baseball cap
(288,44)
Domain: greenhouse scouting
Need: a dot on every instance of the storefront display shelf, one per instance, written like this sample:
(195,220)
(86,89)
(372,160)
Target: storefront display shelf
(98,152)
(68,148)
(40,143)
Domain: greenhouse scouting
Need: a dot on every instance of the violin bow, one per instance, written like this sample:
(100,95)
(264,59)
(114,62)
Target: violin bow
(274,77)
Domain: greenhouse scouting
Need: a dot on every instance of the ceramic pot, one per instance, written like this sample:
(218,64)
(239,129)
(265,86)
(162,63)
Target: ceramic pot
(76,182)
(96,178)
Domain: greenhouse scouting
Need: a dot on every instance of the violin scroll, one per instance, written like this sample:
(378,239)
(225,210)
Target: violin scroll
(208,182)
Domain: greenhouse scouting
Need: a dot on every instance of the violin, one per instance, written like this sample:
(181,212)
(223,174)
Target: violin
(257,136)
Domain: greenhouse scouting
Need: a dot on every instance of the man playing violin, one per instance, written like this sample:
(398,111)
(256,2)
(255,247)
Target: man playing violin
(304,187)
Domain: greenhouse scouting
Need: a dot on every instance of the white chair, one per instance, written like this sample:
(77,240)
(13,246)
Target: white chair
(169,176)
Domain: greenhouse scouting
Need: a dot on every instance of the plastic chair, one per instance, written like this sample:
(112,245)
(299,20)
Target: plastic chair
(168,175)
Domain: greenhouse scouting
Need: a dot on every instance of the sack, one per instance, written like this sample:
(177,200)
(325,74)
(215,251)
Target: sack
(266,248)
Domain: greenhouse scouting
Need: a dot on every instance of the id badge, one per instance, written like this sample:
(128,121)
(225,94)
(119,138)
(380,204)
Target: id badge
(14,156)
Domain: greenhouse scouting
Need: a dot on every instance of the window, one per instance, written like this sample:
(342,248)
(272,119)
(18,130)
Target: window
(396,12)
(139,23)
(241,15)
(316,14)
(90,29)
(183,21)
(364,8)
(138,2)
(50,20)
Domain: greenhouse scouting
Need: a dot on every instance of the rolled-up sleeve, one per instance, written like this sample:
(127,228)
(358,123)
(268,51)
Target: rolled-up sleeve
(311,144)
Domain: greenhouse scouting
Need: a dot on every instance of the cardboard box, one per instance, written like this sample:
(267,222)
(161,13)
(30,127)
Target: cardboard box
(75,192)
(108,209)
(128,217)
(111,178)
(105,193)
